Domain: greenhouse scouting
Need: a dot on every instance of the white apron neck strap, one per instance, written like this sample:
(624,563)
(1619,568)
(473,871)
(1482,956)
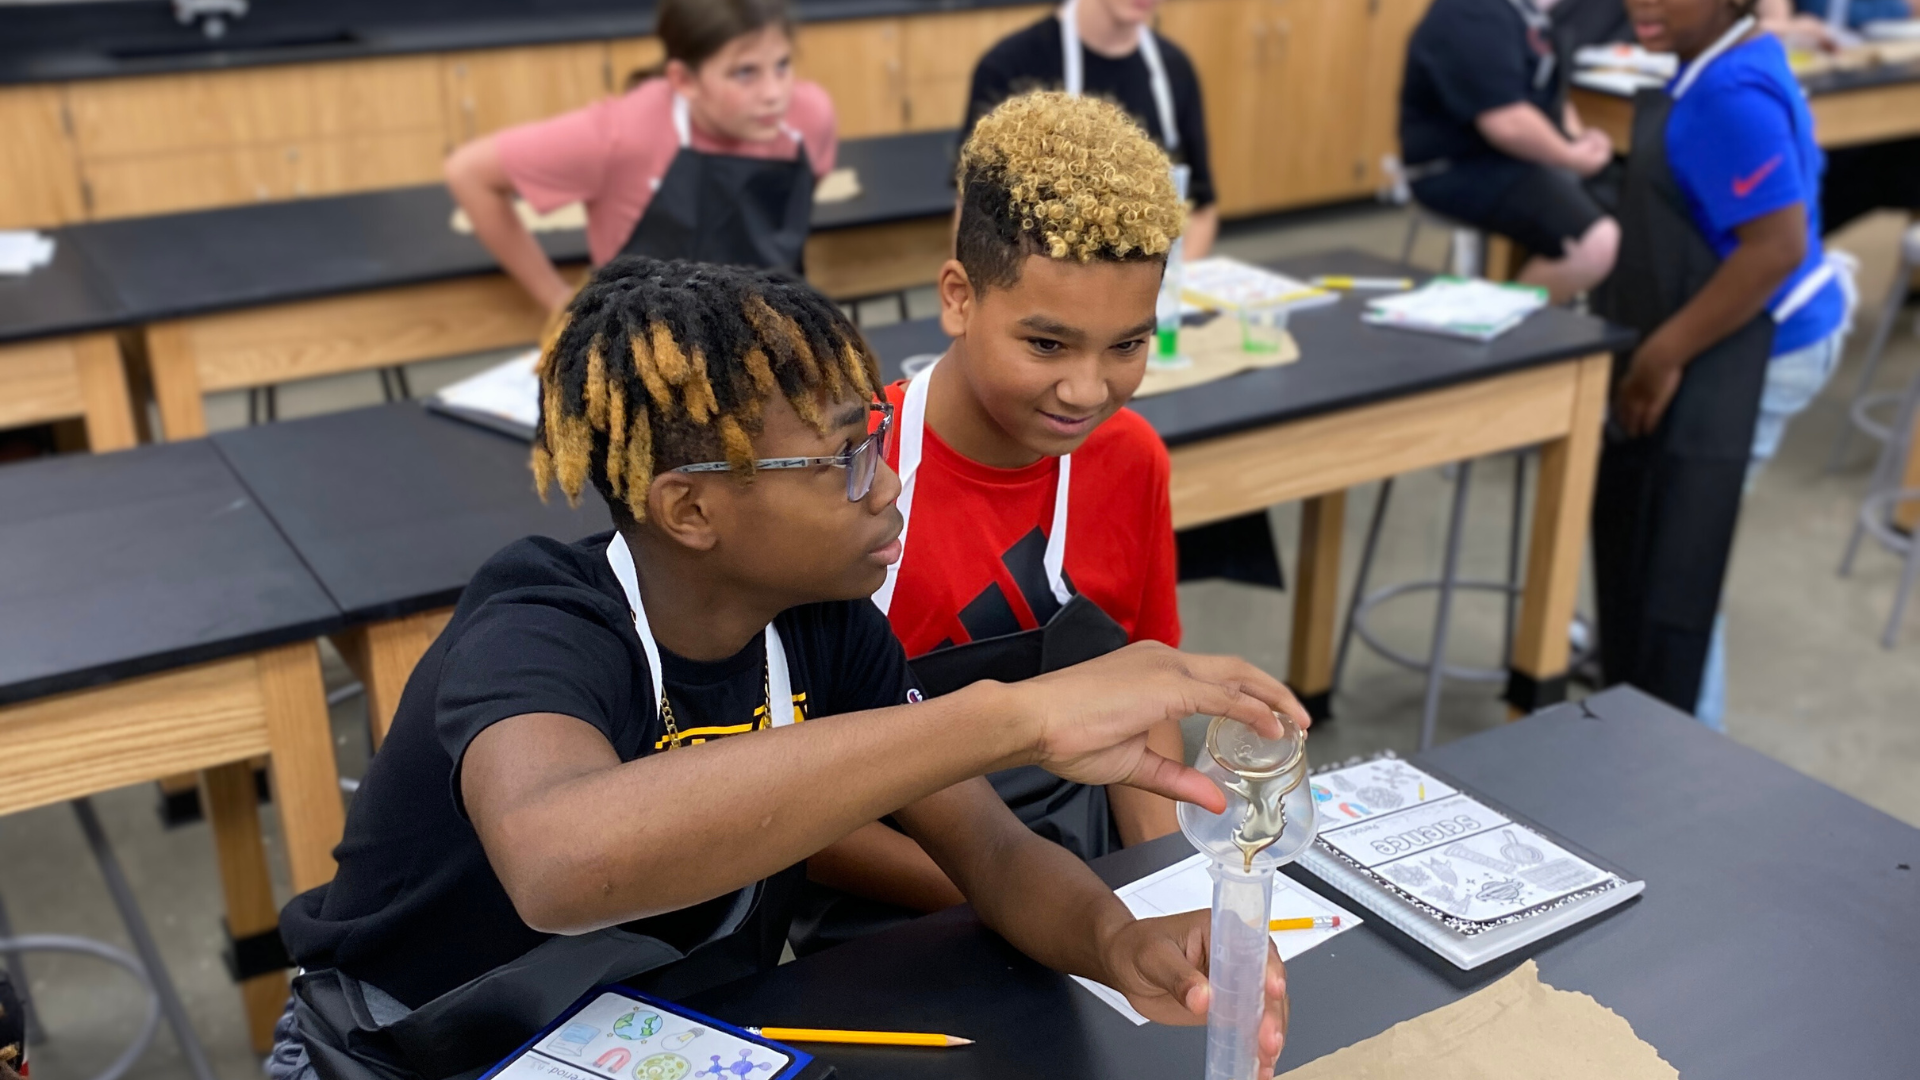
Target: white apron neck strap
(1726,41)
(913,427)
(1055,559)
(1073,71)
(779,678)
(682,121)
(1073,75)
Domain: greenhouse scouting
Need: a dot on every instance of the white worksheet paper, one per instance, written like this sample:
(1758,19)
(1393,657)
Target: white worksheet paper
(509,390)
(1187,886)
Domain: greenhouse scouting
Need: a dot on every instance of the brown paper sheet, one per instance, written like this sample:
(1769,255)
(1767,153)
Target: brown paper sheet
(1217,353)
(1517,1029)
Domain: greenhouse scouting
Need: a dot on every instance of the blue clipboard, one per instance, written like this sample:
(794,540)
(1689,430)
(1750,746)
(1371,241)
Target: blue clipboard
(617,1033)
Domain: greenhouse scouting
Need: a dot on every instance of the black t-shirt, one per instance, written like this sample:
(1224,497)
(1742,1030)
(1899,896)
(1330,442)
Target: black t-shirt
(1032,59)
(1465,58)
(543,627)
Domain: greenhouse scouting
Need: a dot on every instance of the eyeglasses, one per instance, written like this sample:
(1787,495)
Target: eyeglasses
(862,462)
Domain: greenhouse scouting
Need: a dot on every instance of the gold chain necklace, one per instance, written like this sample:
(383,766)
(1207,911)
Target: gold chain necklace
(673,727)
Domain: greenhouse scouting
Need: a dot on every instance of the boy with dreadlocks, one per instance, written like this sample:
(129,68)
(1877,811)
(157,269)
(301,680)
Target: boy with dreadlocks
(615,759)
(1039,532)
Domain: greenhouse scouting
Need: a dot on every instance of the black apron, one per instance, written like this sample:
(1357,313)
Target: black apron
(471,1027)
(1665,506)
(721,208)
(1075,816)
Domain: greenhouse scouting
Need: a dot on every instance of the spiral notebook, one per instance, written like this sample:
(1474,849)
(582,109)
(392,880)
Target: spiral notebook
(1454,871)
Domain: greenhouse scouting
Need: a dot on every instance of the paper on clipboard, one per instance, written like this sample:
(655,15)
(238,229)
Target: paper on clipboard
(1187,886)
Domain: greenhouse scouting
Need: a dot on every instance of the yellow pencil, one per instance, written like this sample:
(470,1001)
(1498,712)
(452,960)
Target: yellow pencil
(1318,922)
(863,1038)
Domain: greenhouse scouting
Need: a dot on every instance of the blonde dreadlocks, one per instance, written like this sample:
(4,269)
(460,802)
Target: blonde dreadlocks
(661,364)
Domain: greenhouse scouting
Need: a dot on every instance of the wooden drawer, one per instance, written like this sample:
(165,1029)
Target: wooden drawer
(166,183)
(193,180)
(262,106)
(39,183)
(367,163)
(858,63)
(487,91)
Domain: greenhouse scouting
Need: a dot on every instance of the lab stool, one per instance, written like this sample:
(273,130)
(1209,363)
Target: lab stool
(1434,665)
(1861,407)
(146,967)
(1880,509)
(1466,245)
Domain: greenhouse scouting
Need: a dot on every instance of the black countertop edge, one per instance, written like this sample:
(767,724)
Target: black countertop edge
(1612,339)
(401,38)
(173,660)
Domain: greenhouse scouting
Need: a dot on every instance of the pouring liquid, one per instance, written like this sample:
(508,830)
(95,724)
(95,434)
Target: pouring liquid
(1266,816)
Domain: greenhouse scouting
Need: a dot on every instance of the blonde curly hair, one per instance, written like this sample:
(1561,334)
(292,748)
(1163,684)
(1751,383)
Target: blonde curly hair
(1065,177)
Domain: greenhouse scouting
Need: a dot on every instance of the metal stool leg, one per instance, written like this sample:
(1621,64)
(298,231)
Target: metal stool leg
(1449,571)
(1889,311)
(17,971)
(1909,577)
(1516,541)
(143,944)
(1360,581)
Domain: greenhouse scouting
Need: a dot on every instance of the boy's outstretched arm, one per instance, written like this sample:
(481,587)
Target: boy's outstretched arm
(1049,905)
(581,840)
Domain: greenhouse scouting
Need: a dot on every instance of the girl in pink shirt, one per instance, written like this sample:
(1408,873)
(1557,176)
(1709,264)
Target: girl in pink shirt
(726,93)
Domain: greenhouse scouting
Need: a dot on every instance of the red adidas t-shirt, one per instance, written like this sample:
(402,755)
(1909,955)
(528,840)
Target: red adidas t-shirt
(973,567)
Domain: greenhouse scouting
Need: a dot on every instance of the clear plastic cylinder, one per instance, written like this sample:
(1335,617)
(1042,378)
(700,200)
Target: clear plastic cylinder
(1269,819)
(1237,968)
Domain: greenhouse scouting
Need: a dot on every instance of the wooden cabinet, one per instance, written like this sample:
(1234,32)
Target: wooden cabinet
(940,52)
(1301,95)
(1286,89)
(254,107)
(627,57)
(39,180)
(1312,66)
(1392,26)
(497,88)
(184,142)
(859,63)
(1218,36)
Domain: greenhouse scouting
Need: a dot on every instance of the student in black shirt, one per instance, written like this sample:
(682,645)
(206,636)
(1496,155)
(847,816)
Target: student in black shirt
(615,759)
(1120,58)
(1488,137)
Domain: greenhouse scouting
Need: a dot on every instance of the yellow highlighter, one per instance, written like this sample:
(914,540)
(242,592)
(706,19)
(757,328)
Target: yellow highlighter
(1318,922)
(1341,281)
(861,1038)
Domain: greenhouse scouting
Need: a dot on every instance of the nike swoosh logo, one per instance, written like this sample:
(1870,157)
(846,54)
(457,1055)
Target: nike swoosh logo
(1743,185)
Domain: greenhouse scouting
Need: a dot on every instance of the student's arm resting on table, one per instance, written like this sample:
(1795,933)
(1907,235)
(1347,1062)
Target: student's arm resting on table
(1049,905)
(529,781)
(1520,130)
(480,184)
(1771,248)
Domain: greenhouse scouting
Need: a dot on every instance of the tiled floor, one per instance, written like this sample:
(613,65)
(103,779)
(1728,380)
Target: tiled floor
(1809,682)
